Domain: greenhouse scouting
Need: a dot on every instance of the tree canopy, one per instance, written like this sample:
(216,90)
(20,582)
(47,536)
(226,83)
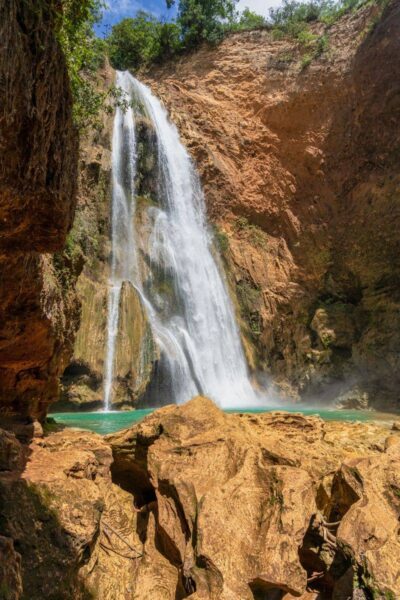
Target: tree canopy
(142,40)
(203,20)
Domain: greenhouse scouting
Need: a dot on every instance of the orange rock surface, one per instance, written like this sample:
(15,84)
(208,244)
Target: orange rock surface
(300,171)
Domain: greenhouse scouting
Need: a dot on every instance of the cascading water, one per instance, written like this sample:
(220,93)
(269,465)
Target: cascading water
(194,324)
(124,263)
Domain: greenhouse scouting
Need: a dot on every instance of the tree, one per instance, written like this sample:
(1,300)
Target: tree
(293,11)
(169,41)
(203,20)
(249,20)
(134,42)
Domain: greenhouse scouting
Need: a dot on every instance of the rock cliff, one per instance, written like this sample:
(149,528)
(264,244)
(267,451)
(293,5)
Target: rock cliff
(194,503)
(38,172)
(299,163)
(89,247)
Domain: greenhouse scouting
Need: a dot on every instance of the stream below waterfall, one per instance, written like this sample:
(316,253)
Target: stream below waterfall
(108,422)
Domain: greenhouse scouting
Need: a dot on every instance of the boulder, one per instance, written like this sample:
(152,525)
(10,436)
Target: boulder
(238,504)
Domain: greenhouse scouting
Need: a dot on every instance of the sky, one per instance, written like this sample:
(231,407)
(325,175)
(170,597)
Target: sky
(118,9)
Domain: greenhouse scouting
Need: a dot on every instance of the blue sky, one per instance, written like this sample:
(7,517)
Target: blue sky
(118,9)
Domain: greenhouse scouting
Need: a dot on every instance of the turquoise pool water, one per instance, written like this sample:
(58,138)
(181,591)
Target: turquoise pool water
(103,423)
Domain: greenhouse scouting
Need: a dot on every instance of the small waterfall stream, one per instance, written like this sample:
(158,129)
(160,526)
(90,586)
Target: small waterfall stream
(194,327)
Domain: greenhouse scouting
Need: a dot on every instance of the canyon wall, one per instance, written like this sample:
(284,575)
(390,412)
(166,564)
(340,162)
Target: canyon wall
(299,159)
(89,245)
(38,172)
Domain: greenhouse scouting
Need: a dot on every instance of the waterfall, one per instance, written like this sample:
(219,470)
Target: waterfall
(123,263)
(194,324)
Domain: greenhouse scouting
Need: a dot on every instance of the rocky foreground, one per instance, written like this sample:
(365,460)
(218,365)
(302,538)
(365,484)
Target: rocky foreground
(195,503)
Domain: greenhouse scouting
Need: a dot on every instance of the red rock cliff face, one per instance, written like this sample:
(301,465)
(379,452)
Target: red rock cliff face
(300,166)
(38,162)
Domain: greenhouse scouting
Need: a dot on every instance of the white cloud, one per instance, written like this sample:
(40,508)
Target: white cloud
(261,7)
(117,7)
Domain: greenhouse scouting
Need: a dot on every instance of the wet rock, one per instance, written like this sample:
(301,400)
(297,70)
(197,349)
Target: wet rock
(354,399)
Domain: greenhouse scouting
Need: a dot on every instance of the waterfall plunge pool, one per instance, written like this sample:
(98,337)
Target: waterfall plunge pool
(108,422)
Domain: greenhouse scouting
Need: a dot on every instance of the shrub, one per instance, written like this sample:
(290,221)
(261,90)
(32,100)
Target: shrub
(250,297)
(248,20)
(306,60)
(253,233)
(222,239)
(133,41)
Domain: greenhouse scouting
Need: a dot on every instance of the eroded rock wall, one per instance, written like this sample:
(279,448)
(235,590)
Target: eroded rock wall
(299,164)
(90,245)
(38,172)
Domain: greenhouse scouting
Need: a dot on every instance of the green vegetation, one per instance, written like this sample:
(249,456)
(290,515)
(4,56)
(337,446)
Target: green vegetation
(364,580)
(84,55)
(294,18)
(250,297)
(221,239)
(142,40)
(253,233)
(293,15)
(248,21)
(275,491)
(203,20)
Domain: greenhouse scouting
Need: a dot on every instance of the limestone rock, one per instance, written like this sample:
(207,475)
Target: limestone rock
(11,452)
(75,531)
(38,172)
(370,526)
(196,503)
(231,501)
(10,570)
(300,172)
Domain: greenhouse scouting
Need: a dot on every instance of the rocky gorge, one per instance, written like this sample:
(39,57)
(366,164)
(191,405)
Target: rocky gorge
(297,150)
(299,161)
(293,156)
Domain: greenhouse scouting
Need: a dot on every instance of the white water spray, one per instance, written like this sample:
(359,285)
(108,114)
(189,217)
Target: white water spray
(196,333)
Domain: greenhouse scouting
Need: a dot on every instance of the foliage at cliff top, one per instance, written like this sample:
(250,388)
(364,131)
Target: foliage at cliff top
(144,40)
(201,20)
(293,15)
